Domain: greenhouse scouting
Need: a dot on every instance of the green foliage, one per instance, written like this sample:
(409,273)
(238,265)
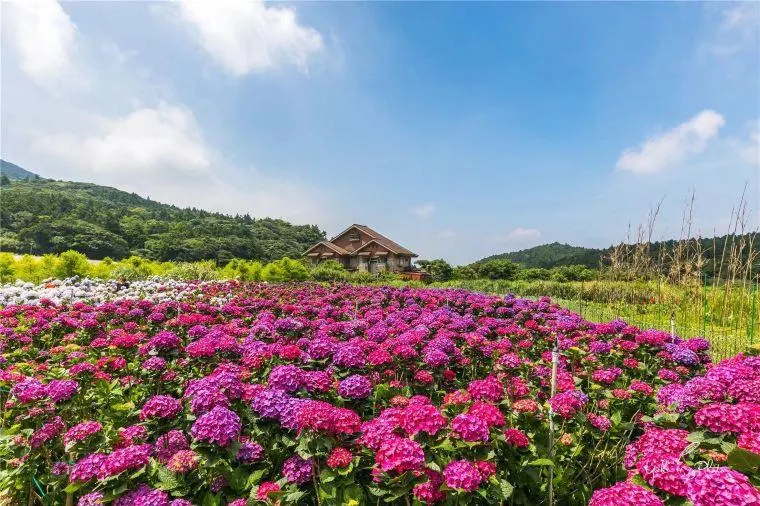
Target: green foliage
(204,271)
(7,266)
(465,272)
(497,269)
(439,269)
(533,274)
(44,216)
(71,263)
(329,270)
(283,270)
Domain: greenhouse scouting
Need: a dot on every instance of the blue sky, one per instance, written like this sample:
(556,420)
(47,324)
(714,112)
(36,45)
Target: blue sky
(458,129)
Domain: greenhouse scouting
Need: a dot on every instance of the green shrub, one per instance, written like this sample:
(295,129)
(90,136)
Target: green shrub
(72,263)
(7,266)
(329,270)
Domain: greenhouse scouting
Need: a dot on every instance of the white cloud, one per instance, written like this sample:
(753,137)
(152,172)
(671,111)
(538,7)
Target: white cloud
(674,146)
(424,211)
(146,140)
(247,36)
(43,37)
(447,234)
(520,235)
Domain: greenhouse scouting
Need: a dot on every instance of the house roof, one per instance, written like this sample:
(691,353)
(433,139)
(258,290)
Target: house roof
(380,239)
(330,245)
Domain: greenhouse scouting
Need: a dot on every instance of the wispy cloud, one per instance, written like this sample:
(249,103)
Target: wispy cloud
(749,150)
(423,211)
(736,31)
(671,148)
(520,235)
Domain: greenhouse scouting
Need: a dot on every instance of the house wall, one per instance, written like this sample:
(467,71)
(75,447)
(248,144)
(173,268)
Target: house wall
(322,250)
(345,242)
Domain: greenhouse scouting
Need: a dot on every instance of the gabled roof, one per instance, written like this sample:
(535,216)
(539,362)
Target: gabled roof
(330,245)
(380,239)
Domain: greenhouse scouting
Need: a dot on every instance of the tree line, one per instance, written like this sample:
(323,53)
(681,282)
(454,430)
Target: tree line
(44,216)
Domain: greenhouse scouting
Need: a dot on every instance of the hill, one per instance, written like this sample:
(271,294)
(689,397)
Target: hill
(44,216)
(14,172)
(552,255)
(716,253)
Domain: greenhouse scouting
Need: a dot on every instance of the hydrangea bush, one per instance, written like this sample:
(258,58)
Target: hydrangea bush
(253,394)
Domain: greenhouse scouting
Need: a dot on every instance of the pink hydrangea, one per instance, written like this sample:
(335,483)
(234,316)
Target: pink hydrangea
(624,494)
(422,418)
(470,428)
(160,406)
(462,475)
(400,454)
(720,485)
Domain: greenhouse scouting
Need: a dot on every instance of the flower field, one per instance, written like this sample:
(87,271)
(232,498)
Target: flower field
(225,393)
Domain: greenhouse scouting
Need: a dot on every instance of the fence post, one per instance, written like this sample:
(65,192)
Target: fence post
(555,361)
(704,305)
(753,312)
(673,324)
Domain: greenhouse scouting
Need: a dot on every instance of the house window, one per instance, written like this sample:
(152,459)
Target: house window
(353,236)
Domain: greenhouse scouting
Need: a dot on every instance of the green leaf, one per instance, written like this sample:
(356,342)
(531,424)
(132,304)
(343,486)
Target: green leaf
(73,487)
(211,500)
(541,462)
(294,496)
(696,437)
(506,489)
(167,480)
(255,477)
(744,460)
(378,492)
(124,406)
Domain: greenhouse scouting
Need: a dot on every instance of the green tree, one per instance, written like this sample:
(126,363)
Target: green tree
(439,269)
(465,272)
(497,269)
(71,263)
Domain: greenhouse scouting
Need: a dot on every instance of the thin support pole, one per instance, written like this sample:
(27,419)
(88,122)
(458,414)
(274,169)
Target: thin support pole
(752,314)
(704,305)
(555,361)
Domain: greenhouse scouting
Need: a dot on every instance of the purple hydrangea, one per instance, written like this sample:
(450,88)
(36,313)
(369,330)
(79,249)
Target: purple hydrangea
(355,386)
(250,452)
(297,470)
(288,378)
(219,426)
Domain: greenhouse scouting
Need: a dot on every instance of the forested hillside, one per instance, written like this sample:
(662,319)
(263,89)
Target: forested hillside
(552,255)
(714,253)
(44,216)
